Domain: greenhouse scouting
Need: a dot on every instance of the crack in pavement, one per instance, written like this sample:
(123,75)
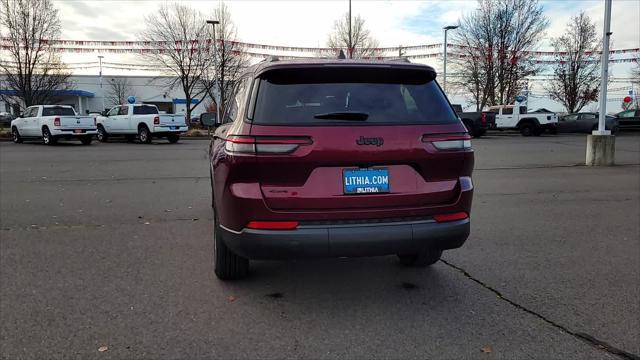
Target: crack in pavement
(599,344)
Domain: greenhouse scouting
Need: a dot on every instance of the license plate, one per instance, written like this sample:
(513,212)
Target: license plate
(174,127)
(365,181)
(77,131)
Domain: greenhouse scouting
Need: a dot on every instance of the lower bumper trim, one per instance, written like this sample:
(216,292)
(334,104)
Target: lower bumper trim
(349,241)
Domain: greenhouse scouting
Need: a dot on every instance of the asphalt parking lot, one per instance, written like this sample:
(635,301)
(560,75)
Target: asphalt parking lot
(109,247)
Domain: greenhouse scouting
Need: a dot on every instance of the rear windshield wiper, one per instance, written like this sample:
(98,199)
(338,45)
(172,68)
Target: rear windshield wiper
(345,115)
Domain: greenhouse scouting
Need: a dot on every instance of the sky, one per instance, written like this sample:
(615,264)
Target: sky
(308,23)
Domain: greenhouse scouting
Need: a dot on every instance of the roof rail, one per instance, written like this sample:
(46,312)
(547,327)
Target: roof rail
(399,59)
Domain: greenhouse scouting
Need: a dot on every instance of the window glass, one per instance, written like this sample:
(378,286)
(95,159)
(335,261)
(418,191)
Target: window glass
(391,96)
(27,112)
(144,110)
(573,117)
(231,112)
(114,111)
(507,111)
(588,116)
(58,111)
(124,110)
(523,109)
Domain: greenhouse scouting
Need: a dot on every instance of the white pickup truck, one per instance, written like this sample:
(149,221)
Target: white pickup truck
(141,120)
(517,117)
(51,123)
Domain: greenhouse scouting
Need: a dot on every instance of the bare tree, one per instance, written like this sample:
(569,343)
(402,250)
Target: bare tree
(360,45)
(119,90)
(31,72)
(181,42)
(496,43)
(230,59)
(576,79)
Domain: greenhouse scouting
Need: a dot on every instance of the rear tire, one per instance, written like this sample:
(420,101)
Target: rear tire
(144,135)
(47,138)
(102,134)
(86,140)
(423,259)
(173,138)
(15,135)
(527,129)
(228,265)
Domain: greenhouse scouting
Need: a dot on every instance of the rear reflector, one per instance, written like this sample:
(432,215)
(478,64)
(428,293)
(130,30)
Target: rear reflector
(450,217)
(260,145)
(272,225)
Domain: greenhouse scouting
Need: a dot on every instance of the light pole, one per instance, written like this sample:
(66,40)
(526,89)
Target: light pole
(444,77)
(605,69)
(101,89)
(350,50)
(601,145)
(215,53)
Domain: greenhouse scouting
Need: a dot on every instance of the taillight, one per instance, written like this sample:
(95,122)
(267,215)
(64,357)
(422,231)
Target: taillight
(56,121)
(449,142)
(450,217)
(156,120)
(483,118)
(262,145)
(273,225)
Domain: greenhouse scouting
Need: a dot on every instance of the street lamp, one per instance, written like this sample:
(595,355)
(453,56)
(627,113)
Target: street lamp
(444,78)
(215,52)
(101,89)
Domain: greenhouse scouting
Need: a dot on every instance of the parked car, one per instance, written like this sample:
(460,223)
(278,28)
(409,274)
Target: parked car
(338,158)
(5,118)
(585,122)
(517,117)
(629,119)
(141,120)
(476,122)
(195,119)
(51,123)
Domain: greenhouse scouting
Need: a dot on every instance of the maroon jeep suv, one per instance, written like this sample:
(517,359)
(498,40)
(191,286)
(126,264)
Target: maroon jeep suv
(338,158)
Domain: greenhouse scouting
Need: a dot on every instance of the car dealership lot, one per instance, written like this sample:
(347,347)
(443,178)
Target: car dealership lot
(110,246)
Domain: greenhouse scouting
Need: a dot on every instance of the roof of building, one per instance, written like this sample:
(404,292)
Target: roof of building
(81,93)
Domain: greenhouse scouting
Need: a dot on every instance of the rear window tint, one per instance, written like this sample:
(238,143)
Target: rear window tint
(386,95)
(144,110)
(58,111)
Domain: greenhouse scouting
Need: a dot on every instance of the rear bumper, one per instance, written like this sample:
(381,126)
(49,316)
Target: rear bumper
(166,130)
(70,133)
(347,240)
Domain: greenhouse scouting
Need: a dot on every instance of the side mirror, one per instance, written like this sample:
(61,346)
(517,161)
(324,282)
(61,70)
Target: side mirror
(209,119)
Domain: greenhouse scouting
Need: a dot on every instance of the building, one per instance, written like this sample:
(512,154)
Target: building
(88,95)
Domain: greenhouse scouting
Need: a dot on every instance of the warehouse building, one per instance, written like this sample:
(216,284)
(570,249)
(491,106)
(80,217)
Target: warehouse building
(88,96)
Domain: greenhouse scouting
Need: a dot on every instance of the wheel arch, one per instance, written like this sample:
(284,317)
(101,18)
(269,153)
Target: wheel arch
(532,121)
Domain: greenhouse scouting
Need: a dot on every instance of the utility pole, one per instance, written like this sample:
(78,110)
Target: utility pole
(350,50)
(601,145)
(101,89)
(444,77)
(215,53)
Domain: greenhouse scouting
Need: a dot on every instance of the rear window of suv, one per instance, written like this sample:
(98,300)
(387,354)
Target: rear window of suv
(329,95)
